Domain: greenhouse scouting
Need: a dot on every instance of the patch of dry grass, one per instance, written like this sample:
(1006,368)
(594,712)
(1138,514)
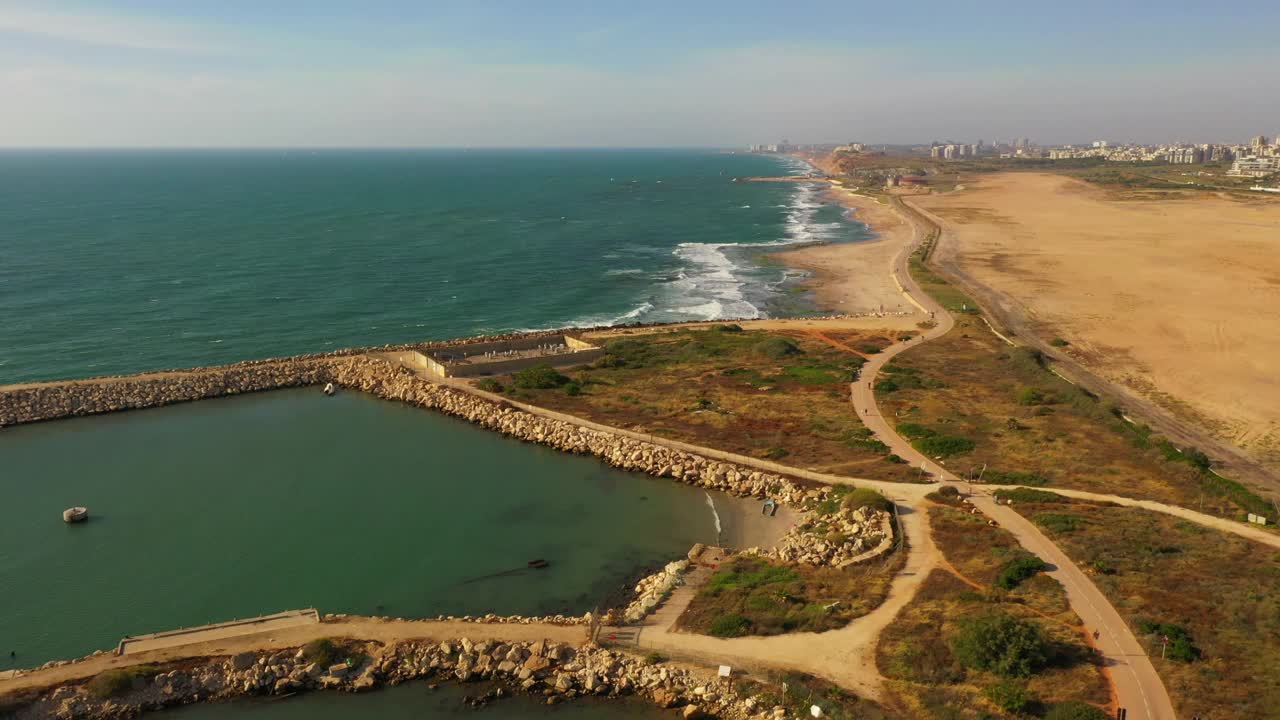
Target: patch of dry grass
(757,596)
(770,395)
(926,679)
(1023,419)
(1224,590)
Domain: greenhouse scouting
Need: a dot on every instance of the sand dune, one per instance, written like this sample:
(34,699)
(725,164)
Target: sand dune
(1177,300)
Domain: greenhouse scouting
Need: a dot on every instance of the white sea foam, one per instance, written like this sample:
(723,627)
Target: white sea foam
(715,515)
(717,282)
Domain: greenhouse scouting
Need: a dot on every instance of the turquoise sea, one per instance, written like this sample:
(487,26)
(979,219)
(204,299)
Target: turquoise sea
(116,261)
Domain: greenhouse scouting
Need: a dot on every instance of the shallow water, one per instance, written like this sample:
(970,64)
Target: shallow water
(237,507)
(414,700)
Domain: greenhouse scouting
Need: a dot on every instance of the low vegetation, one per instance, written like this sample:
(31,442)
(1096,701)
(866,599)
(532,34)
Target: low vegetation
(1214,597)
(118,681)
(967,648)
(758,596)
(1007,419)
(764,394)
(798,692)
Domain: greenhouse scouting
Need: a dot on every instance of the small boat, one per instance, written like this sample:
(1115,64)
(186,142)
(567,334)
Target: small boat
(329,389)
(539,564)
(75,514)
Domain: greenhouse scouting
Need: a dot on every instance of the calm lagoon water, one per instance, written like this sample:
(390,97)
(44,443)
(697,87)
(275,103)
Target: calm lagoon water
(237,507)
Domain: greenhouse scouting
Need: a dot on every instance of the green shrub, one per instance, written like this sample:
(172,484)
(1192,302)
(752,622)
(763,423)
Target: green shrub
(1008,695)
(887,386)
(999,477)
(774,453)
(1035,396)
(573,389)
(895,459)
(730,625)
(118,681)
(322,651)
(1030,495)
(1000,644)
(730,327)
(1057,522)
(655,658)
(914,431)
(539,377)
(870,444)
(864,497)
(1074,710)
(777,347)
(1017,570)
(944,445)
(489,385)
(1059,342)
(1180,647)
(868,349)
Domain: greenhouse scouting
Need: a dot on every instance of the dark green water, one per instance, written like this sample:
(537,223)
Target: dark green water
(237,507)
(413,701)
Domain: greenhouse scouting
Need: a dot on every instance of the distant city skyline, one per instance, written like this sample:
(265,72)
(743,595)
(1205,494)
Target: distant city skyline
(396,73)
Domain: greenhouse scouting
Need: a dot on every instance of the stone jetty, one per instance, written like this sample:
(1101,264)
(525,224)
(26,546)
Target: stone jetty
(555,672)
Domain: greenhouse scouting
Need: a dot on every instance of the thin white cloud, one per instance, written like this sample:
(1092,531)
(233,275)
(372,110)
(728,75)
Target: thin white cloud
(117,31)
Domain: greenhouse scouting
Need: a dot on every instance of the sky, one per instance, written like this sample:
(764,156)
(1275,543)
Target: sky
(479,73)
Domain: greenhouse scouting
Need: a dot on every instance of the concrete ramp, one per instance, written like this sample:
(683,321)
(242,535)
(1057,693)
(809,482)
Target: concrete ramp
(217,631)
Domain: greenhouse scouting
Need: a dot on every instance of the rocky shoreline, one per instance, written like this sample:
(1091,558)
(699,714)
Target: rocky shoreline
(555,671)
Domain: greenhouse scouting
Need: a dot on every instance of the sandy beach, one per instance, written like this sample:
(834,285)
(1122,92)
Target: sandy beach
(1176,300)
(855,277)
(746,526)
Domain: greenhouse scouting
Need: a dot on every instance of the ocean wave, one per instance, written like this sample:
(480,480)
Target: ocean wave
(624,271)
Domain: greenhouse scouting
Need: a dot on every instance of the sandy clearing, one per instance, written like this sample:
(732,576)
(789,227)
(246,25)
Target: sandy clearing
(1177,301)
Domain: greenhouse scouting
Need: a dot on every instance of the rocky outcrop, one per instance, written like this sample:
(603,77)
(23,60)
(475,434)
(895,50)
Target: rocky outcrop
(557,672)
(652,590)
(837,539)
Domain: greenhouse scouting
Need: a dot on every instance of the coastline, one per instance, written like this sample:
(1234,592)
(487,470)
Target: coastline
(855,277)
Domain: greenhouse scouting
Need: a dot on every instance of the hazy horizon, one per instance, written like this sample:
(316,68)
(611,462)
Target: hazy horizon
(142,74)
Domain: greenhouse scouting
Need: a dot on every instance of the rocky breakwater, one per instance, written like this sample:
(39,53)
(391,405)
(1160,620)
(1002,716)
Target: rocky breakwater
(51,401)
(839,538)
(392,382)
(652,590)
(557,672)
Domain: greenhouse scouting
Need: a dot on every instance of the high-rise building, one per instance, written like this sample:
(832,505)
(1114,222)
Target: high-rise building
(1257,142)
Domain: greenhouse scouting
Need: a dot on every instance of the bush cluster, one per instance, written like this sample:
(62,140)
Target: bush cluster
(1018,569)
(539,377)
(1001,644)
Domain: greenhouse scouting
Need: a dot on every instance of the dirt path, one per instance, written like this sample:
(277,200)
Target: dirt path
(846,656)
(1137,687)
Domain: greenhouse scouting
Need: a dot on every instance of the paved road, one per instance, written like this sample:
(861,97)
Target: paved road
(1138,687)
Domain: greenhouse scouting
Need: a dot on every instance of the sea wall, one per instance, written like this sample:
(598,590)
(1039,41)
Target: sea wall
(388,381)
(555,671)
